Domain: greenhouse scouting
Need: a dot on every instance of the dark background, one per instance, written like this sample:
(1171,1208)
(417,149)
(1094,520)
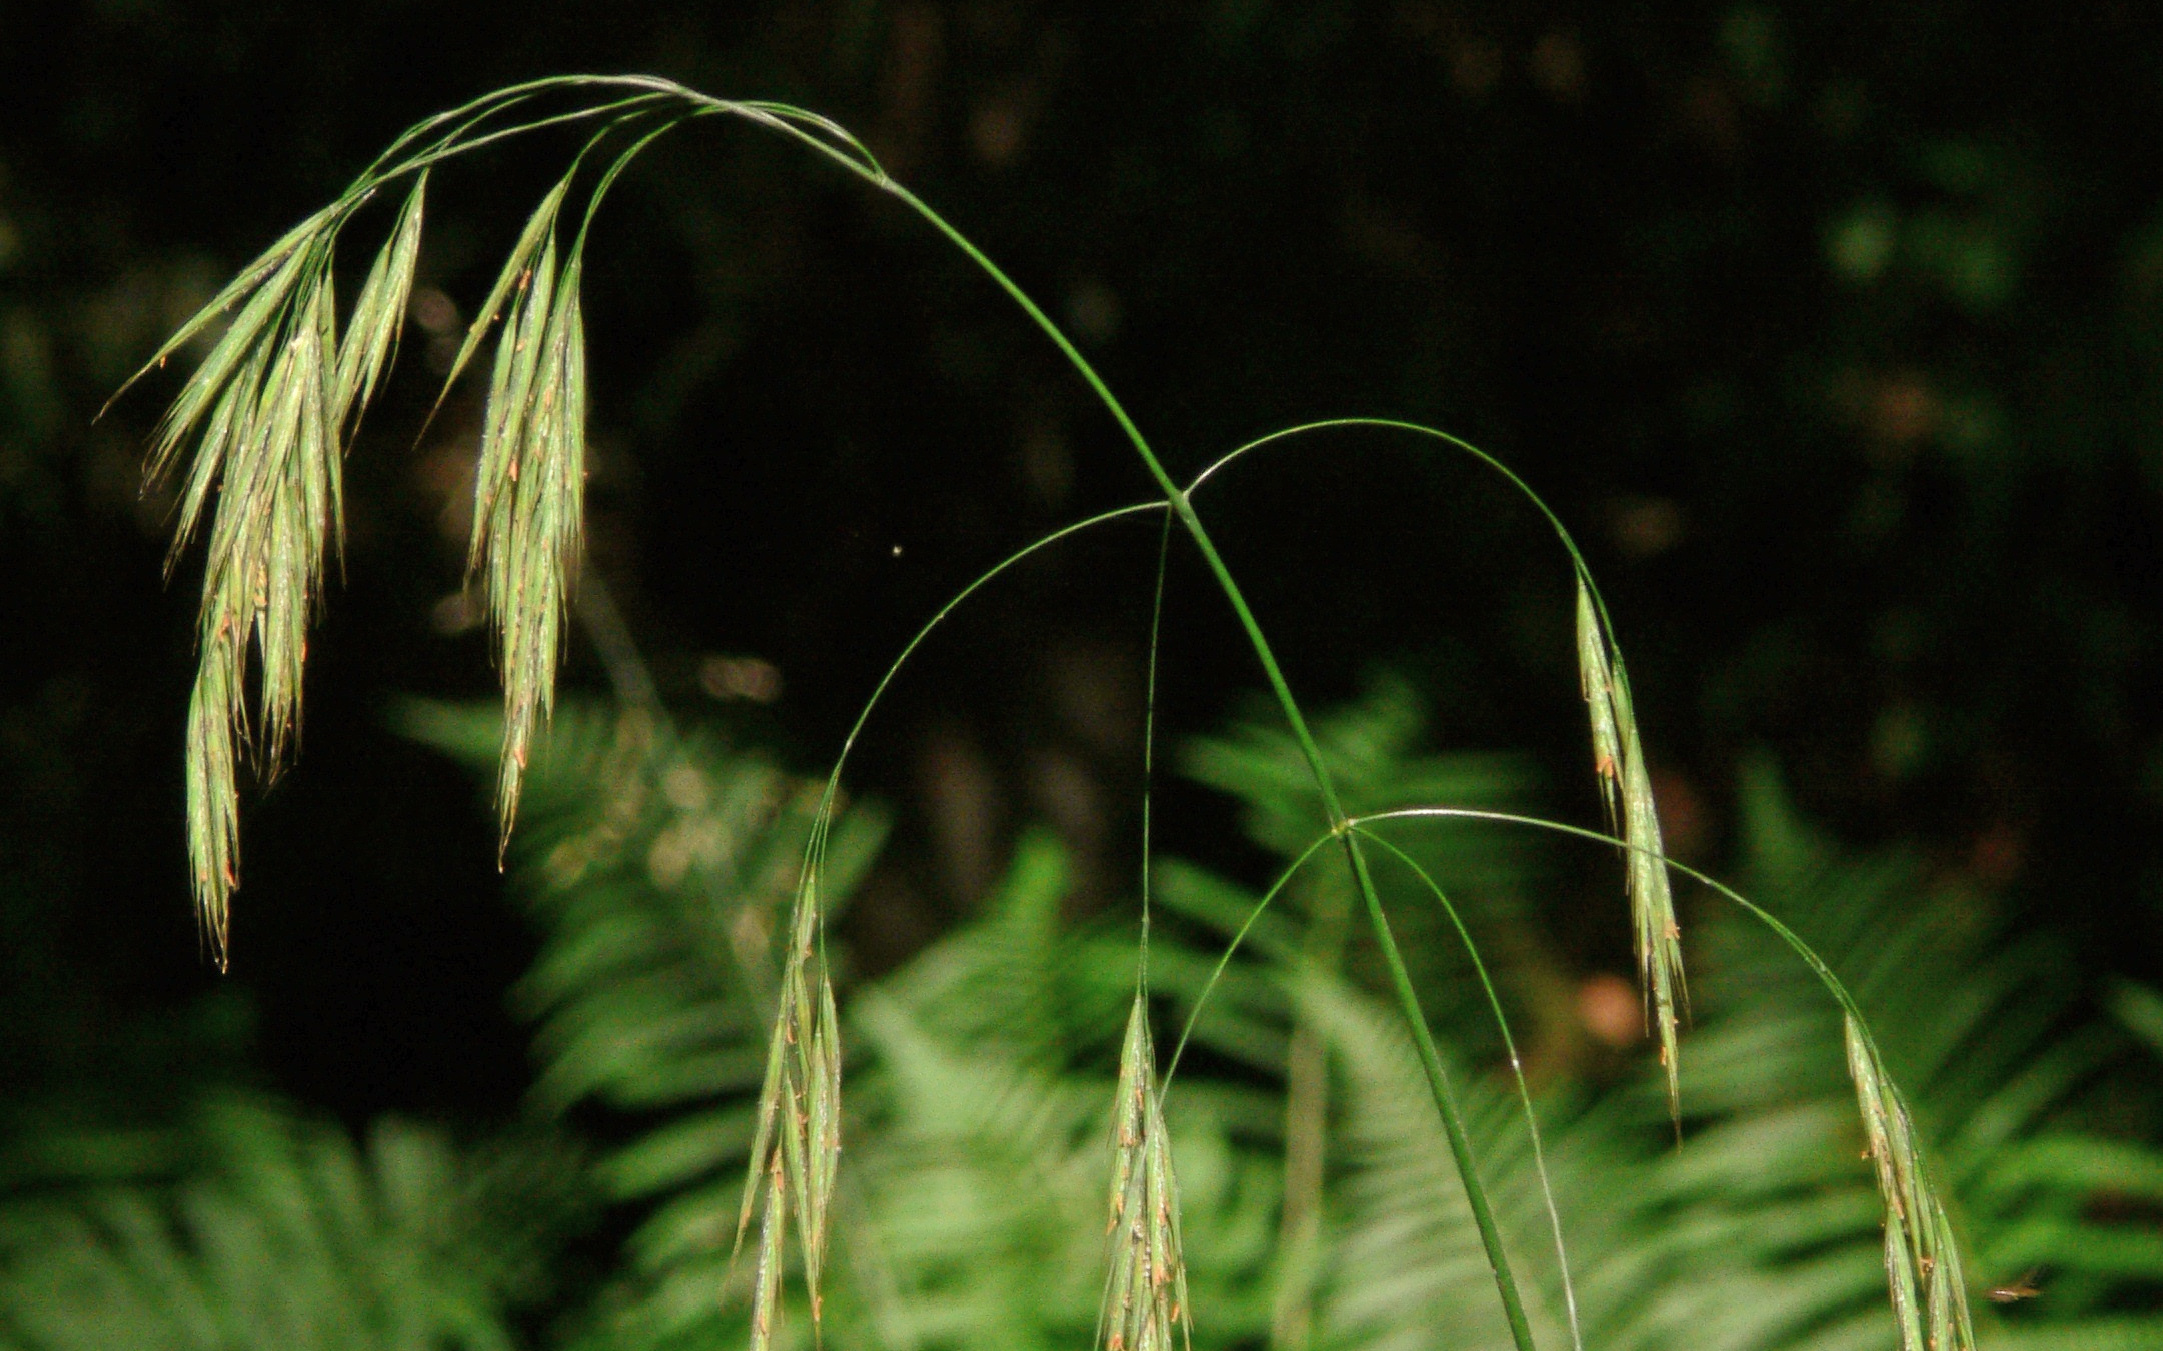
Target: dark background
(1835,332)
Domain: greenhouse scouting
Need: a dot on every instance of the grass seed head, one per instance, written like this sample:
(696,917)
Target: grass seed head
(1619,760)
(1596,681)
(266,452)
(766,1282)
(256,438)
(529,486)
(213,828)
(796,1149)
(1922,1260)
(379,312)
(1652,901)
(1145,1284)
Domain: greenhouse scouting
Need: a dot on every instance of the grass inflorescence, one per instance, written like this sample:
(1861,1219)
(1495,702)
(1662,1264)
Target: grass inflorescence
(1922,1259)
(529,483)
(261,426)
(1145,1281)
(798,1146)
(267,412)
(1619,760)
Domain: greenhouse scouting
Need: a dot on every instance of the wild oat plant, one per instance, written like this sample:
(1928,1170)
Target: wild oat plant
(255,442)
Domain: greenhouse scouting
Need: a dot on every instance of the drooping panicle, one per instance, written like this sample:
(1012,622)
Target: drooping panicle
(255,437)
(1922,1260)
(1145,1283)
(529,484)
(1619,760)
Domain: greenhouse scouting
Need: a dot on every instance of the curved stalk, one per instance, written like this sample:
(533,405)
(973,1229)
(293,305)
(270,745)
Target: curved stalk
(1517,1071)
(1176,498)
(1641,844)
(458,133)
(1524,489)
(1887,1115)
(1793,940)
(1923,1266)
(1401,980)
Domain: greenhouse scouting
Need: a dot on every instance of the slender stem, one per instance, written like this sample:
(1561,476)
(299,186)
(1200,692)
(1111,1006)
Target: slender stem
(1452,1120)
(1407,998)
(1174,495)
(1794,941)
(1364,822)
(1149,737)
(785,120)
(1524,489)
(863,716)
(1306,1129)
(1517,1070)
(1224,960)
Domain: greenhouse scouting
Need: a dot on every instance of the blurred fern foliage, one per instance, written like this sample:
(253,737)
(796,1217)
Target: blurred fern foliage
(658,867)
(274,1232)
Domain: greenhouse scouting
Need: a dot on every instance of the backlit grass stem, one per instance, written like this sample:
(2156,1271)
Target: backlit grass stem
(1924,1271)
(1922,1254)
(1618,750)
(1408,1000)
(526,531)
(1517,1073)
(269,408)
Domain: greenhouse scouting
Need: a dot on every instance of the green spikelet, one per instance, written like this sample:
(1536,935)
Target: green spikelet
(1596,682)
(1145,1285)
(797,1148)
(256,437)
(529,486)
(379,312)
(1922,1260)
(1619,759)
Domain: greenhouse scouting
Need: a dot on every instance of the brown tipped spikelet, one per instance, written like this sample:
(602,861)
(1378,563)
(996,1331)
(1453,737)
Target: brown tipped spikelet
(1145,1286)
(1619,759)
(797,1149)
(529,487)
(1596,682)
(1922,1262)
(266,413)
(213,830)
(379,312)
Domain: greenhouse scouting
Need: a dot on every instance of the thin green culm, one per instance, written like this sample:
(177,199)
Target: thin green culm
(255,442)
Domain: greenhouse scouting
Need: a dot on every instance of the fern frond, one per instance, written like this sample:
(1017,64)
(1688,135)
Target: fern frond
(290,1239)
